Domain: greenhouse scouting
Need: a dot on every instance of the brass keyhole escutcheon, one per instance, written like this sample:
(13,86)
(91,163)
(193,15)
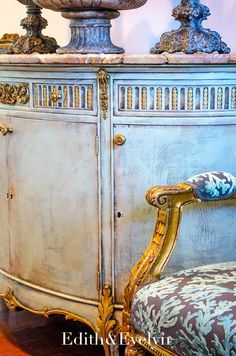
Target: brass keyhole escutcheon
(55,96)
(119,139)
(5,130)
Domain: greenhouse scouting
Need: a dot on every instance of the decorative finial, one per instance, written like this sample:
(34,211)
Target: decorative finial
(191,37)
(33,41)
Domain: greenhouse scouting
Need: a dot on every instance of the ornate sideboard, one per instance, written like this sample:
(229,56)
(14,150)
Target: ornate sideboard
(82,139)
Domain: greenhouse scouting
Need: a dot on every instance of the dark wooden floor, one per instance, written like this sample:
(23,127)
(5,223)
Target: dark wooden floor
(22,333)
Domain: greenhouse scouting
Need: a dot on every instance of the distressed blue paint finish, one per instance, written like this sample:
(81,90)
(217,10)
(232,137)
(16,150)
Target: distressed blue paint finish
(178,120)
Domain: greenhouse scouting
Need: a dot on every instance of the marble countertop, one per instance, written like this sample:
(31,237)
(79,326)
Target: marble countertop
(119,59)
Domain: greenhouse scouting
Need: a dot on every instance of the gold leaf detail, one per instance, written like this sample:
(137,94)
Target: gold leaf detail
(103,79)
(14,94)
(105,320)
(13,304)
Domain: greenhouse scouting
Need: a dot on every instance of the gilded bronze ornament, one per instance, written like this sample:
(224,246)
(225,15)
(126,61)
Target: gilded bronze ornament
(7,40)
(5,130)
(12,94)
(55,96)
(119,140)
(105,320)
(191,37)
(34,40)
(103,79)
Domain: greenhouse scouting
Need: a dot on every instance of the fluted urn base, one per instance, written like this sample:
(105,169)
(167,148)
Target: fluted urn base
(90,32)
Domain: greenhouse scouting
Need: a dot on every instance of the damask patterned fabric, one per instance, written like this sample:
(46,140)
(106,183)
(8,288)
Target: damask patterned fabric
(213,185)
(195,309)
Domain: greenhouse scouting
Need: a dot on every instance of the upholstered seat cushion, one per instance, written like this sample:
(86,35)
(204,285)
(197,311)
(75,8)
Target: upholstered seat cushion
(195,309)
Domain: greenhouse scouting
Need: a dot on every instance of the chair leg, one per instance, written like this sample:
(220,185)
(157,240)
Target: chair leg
(114,350)
(134,350)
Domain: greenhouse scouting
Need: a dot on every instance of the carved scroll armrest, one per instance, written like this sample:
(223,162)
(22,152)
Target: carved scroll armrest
(205,186)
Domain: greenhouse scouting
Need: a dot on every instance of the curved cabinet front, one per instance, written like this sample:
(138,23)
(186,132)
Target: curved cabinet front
(87,142)
(53,230)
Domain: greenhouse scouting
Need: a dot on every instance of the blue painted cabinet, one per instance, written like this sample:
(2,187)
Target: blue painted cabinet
(75,169)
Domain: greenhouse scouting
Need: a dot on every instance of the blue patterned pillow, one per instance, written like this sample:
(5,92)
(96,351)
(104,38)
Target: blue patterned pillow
(213,185)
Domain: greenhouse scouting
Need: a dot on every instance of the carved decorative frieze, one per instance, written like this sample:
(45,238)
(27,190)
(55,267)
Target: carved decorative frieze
(12,94)
(154,98)
(66,96)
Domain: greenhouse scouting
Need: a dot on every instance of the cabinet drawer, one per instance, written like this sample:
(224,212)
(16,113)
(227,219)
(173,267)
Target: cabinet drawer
(79,96)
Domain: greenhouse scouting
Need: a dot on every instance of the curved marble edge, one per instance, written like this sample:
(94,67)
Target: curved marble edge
(119,59)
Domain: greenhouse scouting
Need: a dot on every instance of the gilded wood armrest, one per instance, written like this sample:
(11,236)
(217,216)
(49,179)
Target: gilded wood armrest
(169,201)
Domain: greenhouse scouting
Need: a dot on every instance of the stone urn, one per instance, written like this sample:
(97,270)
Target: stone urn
(90,22)
(34,40)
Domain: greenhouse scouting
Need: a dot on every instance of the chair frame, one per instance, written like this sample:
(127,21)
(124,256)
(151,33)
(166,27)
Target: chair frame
(169,200)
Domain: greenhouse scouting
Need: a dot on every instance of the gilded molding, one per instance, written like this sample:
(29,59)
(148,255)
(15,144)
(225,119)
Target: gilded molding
(13,304)
(106,322)
(103,79)
(12,94)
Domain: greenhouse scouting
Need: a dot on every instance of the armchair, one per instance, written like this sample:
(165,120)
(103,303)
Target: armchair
(193,311)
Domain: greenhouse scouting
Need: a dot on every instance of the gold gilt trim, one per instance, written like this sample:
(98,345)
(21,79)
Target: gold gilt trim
(156,350)
(141,269)
(168,200)
(12,94)
(105,320)
(103,79)
(8,39)
(13,304)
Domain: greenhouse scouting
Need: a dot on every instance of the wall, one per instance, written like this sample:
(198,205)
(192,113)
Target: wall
(135,30)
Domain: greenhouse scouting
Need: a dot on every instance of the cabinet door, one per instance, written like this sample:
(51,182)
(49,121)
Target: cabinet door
(4,226)
(166,155)
(54,211)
